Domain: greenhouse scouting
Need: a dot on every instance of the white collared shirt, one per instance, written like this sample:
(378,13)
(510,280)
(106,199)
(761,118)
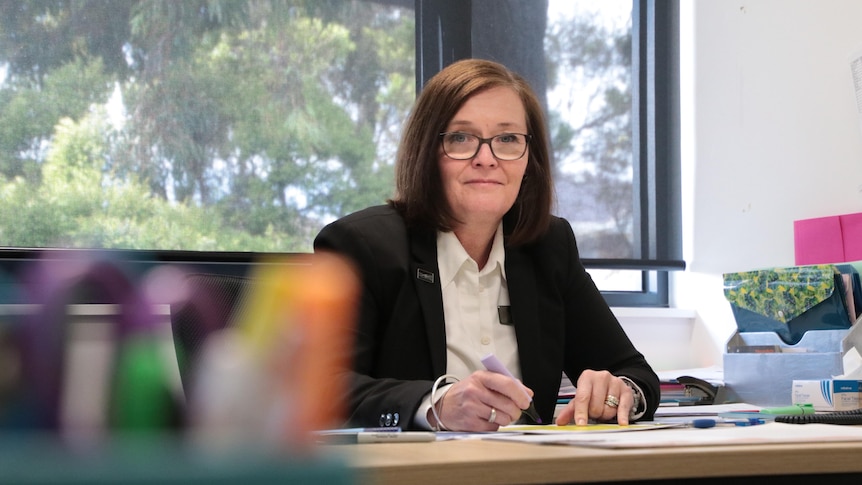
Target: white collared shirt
(473,328)
(470,300)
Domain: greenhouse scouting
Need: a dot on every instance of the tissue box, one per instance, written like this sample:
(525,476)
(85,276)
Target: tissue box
(828,394)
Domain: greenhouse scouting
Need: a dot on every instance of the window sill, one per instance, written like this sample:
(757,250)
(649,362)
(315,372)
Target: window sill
(663,335)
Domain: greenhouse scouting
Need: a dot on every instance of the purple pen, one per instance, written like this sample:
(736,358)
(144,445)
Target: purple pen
(493,364)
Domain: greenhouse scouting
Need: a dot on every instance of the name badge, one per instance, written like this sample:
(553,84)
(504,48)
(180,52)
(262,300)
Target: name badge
(505,315)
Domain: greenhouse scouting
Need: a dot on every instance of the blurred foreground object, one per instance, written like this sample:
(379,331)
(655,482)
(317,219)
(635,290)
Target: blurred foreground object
(83,377)
(89,390)
(277,372)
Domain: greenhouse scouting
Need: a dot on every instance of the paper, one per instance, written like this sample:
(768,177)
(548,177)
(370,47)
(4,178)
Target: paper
(676,436)
(713,374)
(852,364)
(590,428)
(704,410)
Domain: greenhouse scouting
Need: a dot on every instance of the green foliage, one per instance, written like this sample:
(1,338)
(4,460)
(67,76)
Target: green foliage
(79,205)
(28,112)
(246,125)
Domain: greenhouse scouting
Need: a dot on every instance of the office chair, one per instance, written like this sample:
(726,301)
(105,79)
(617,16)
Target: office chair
(212,301)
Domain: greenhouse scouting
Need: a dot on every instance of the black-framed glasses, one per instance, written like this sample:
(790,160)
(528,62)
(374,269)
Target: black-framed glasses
(464,146)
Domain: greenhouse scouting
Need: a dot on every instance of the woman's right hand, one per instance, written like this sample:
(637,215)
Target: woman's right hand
(484,401)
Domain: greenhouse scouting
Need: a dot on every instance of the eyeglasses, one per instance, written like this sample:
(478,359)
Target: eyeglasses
(505,146)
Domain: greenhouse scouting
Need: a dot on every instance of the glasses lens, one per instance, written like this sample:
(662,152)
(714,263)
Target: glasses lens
(461,146)
(509,146)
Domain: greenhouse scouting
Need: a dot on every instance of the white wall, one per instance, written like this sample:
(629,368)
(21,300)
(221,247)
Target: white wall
(770,135)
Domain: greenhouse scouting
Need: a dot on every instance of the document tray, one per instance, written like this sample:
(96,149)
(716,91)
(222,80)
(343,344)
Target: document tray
(766,379)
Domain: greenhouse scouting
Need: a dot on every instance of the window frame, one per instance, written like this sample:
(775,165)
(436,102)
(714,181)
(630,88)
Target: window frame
(444,34)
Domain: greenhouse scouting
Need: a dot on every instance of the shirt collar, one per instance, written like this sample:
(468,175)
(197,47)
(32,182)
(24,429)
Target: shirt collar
(498,253)
(451,255)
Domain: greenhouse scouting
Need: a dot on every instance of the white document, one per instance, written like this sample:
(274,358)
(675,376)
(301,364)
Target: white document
(703,410)
(675,437)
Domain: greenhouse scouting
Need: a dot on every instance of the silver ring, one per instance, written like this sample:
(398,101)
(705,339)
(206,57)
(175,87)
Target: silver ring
(612,401)
(493,415)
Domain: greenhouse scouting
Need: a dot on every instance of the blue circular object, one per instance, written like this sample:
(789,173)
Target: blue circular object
(703,423)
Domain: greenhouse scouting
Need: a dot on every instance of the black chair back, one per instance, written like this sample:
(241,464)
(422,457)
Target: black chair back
(211,305)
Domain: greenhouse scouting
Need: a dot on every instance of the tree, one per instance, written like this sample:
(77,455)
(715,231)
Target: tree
(29,112)
(594,154)
(40,36)
(259,118)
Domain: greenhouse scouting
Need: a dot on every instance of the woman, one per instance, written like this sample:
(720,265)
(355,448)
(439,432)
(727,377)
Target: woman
(466,260)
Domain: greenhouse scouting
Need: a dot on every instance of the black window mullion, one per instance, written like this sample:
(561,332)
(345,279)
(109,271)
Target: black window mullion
(442,36)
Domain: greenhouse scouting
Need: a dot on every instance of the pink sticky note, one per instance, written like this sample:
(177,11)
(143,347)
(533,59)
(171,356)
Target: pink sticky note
(818,240)
(851,229)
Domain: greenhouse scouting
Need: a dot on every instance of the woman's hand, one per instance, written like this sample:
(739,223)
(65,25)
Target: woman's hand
(601,396)
(482,402)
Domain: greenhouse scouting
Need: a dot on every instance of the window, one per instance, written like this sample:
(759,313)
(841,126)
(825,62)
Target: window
(609,74)
(211,130)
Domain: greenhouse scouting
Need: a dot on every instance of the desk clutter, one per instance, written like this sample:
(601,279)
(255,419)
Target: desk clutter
(794,325)
(262,379)
(797,341)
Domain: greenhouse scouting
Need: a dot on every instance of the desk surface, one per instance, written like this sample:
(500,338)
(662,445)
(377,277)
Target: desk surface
(493,462)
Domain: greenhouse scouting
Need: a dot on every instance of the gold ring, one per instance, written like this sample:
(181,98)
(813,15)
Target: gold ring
(612,401)
(493,415)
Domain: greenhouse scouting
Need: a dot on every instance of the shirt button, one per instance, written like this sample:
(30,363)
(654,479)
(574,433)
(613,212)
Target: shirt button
(486,340)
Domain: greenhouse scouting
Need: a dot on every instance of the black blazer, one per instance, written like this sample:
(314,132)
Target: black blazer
(562,323)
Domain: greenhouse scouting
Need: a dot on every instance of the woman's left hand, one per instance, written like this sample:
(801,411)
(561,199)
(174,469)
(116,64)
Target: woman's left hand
(601,396)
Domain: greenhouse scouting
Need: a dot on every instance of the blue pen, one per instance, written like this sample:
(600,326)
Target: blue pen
(493,364)
(711,423)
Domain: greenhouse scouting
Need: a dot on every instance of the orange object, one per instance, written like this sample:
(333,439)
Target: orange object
(299,323)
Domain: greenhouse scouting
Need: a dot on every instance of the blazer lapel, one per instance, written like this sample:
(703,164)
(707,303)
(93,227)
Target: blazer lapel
(523,298)
(426,279)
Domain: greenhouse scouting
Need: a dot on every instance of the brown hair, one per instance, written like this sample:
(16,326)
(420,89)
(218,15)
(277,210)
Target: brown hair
(419,192)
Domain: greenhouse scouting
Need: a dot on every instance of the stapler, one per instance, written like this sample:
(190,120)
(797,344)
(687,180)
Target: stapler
(705,392)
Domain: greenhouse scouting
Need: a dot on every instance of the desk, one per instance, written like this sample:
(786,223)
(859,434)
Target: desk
(492,462)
